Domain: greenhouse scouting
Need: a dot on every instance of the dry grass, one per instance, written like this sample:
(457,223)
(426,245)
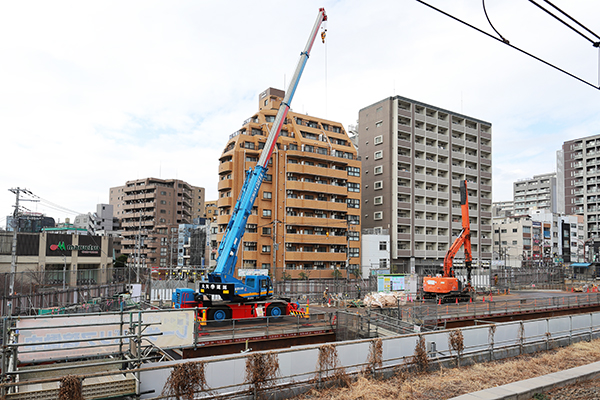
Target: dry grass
(70,388)
(185,381)
(261,369)
(328,368)
(448,383)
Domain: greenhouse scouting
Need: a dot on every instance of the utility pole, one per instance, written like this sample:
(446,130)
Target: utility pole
(13,262)
(274,250)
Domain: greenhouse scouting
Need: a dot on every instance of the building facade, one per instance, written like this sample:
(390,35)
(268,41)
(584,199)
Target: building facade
(539,238)
(150,211)
(414,157)
(579,180)
(306,218)
(503,208)
(375,250)
(30,222)
(537,193)
(59,259)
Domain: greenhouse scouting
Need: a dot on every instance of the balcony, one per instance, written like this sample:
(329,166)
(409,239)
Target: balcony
(316,187)
(314,221)
(314,256)
(225,184)
(226,167)
(318,171)
(316,205)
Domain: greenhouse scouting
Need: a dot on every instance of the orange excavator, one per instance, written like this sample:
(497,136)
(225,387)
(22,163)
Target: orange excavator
(448,287)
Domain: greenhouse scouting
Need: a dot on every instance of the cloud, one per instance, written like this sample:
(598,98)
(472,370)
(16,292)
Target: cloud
(98,93)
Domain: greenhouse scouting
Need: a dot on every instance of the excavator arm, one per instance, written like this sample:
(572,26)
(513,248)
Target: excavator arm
(463,239)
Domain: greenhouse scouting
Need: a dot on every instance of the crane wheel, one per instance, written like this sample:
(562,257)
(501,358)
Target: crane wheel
(219,314)
(276,310)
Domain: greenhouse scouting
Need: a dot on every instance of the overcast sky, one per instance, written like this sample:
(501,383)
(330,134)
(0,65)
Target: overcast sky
(93,94)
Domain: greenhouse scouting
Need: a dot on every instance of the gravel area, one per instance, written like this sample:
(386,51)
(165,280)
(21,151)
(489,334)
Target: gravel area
(586,390)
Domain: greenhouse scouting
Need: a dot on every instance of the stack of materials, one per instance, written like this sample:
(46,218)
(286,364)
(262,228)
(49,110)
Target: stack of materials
(383,300)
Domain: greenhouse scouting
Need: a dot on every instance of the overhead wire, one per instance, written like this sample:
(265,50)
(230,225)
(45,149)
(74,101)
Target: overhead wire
(502,40)
(596,44)
(567,24)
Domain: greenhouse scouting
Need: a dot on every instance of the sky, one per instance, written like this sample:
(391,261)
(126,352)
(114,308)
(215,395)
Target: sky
(96,93)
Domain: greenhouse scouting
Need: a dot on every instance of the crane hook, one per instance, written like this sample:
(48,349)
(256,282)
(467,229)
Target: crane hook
(323,35)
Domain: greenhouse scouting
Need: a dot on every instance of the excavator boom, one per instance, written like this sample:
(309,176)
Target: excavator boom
(447,285)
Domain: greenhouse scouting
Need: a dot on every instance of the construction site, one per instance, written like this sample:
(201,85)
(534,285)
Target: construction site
(456,325)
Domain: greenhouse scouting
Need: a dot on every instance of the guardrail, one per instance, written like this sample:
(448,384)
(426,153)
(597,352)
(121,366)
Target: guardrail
(303,367)
(420,312)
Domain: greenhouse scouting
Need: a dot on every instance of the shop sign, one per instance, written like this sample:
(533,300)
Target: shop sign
(70,247)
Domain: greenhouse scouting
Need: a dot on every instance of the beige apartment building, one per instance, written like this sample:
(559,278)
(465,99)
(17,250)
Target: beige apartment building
(306,219)
(150,211)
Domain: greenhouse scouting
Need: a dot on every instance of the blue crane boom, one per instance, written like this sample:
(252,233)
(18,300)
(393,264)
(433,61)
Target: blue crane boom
(258,286)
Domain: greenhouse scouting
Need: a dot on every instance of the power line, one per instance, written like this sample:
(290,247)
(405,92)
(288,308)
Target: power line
(502,40)
(596,44)
(573,19)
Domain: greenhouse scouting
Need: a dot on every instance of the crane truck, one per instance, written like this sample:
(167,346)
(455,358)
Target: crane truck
(448,287)
(254,296)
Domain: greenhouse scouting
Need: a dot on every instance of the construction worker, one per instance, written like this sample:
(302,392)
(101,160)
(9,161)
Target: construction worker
(326,296)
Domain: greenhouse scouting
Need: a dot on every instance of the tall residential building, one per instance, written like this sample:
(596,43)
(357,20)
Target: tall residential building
(307,212)
(150,211)
(210,210)
(537,193)
(414,157)
(579,180)
(503,208)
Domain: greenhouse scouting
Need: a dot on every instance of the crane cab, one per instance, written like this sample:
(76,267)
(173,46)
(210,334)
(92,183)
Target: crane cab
(258,286)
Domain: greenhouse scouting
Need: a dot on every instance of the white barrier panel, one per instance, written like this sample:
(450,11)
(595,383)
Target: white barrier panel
(173,329)
(225,374)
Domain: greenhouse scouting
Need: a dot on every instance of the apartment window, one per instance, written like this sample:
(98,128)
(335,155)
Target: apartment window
(378,155)
(378,185)
(266,213)
(250,228)
(267,195)
(266,231)
(249,246)
(353,203)
(354,236)
(378,170)
(266,266)
(268,178)
(353,187)
(515,230)
(163,193)
(163,211)
(353,219)
(353,171)
(266,248)
(353,252)
(378,200)
(382,246)
(377,215)
(378,139)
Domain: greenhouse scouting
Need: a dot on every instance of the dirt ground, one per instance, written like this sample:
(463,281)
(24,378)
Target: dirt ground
(447,383)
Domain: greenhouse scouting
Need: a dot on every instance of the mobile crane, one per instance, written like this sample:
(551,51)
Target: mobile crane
(254,296)
(447,287)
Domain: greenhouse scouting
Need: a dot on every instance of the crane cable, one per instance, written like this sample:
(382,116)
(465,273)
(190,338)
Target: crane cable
(323,34)
(512,46)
